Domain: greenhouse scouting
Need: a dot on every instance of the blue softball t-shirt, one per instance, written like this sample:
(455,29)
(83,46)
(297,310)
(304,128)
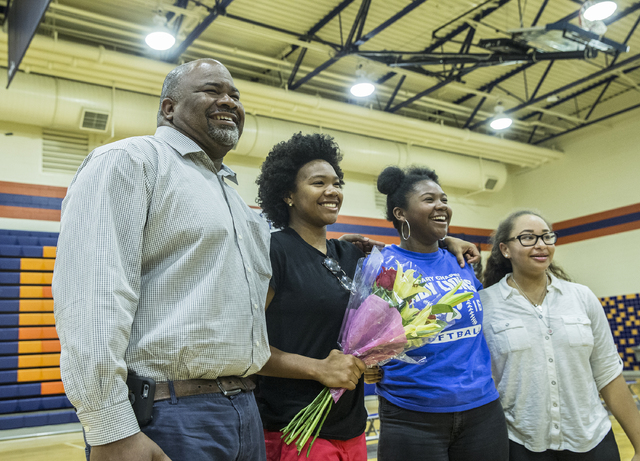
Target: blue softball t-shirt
(456,372)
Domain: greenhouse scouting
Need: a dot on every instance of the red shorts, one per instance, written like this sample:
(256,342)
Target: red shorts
(354,449)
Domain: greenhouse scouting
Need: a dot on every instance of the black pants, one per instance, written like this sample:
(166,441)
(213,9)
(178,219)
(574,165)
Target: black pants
(479,434)
(606,450)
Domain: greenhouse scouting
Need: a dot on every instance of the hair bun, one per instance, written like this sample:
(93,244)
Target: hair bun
(390,179)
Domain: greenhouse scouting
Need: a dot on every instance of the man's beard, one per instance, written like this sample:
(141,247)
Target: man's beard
(224,135)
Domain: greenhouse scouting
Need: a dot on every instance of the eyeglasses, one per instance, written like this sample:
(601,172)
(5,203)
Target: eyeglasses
(333,267)
(529,240)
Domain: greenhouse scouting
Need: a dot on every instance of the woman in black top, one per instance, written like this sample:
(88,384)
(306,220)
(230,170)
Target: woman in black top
(300,192)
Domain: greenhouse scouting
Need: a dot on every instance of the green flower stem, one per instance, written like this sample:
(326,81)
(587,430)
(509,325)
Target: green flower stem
(305,421)
(302,440)
(318,431)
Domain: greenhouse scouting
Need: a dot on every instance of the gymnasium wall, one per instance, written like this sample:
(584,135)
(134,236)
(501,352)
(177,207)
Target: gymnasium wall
(592,196)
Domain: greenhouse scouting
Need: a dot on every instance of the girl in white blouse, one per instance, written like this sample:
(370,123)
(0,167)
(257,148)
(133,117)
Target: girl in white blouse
(552,352)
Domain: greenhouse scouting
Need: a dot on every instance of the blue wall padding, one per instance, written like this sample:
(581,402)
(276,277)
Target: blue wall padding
(20,390)
(9,292)
(9,320)
(10,264)
(8,348)
(30,201)
(9,305)
(9,334)
(34,404)
(29,241)
(21,251)
(29,233)
(9,278)
(10,376)
(38,419)
(8,363)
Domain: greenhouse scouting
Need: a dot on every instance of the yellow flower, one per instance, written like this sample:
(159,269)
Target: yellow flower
(406,285)
(408,313)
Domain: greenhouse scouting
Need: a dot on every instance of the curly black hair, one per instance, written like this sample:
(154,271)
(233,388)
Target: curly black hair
(396,183)
(279,171)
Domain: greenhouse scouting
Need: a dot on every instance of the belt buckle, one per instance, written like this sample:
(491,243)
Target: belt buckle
(225,392)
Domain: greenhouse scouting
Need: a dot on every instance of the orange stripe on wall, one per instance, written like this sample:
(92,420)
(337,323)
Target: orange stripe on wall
(38,374)
(364,221)
(35,292)
(37,347)
(470,231)
(36,305)
(36,264)
(37,333)
(598,217)
(32,189)
(48,252)
(17,212)
(36,278)
(599,233)
(381,238)
(36,319)
(36,361)
(52,388)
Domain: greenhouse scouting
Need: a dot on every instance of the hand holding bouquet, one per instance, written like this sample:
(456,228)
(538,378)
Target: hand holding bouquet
(381,323)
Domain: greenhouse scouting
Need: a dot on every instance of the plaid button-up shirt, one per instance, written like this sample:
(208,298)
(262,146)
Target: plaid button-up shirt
(161,269)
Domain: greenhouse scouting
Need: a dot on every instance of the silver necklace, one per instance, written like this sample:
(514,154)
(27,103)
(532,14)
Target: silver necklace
(539,305)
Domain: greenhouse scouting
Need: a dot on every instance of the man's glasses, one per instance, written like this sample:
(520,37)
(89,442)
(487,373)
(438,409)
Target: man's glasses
(333,267)
(529,240)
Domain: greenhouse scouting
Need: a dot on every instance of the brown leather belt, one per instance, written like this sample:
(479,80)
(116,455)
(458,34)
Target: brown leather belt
(228,385)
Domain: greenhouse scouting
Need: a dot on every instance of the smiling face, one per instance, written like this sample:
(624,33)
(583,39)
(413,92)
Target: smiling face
(533,260)
(427,211)
(208,108)
(317,197)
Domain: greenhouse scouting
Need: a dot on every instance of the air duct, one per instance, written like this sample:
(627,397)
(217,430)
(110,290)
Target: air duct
(59,104)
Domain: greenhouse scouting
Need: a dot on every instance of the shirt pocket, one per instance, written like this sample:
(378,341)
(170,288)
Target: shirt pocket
(578,329)
(511,336)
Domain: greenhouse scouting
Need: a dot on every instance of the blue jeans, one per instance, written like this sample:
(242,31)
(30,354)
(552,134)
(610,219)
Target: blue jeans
(606,450)
(208,427)
(479,434)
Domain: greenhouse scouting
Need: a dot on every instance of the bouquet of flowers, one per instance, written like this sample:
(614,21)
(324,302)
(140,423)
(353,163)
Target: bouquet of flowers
(380,324)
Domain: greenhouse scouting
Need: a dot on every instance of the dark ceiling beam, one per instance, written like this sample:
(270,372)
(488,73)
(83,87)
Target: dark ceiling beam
(458,30)
(584,125)
(400,14)
(542,7)
(495,82)
(219,9)
(430,90)
(579,92)
(311,33)
(475,111)
(490,58)
(564,88)
(395,92)
(354,41)
(541,81)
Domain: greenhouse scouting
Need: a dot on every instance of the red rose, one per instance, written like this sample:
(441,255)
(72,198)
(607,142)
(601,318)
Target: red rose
(386,279)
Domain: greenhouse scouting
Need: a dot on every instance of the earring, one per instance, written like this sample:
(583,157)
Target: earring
(402,230)
(290,203)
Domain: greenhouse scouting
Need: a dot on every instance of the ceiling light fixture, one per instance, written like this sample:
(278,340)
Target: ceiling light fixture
(160,40)
(363,88)
(500,121)
(597,10)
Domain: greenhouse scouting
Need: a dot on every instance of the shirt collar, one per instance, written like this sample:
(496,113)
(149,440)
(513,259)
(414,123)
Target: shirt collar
(185,145)
(507,290)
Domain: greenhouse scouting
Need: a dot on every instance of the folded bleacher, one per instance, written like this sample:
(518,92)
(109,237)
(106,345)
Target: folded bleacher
(31,392)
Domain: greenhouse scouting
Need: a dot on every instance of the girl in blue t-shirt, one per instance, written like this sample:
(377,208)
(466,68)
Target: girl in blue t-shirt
(445,408)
